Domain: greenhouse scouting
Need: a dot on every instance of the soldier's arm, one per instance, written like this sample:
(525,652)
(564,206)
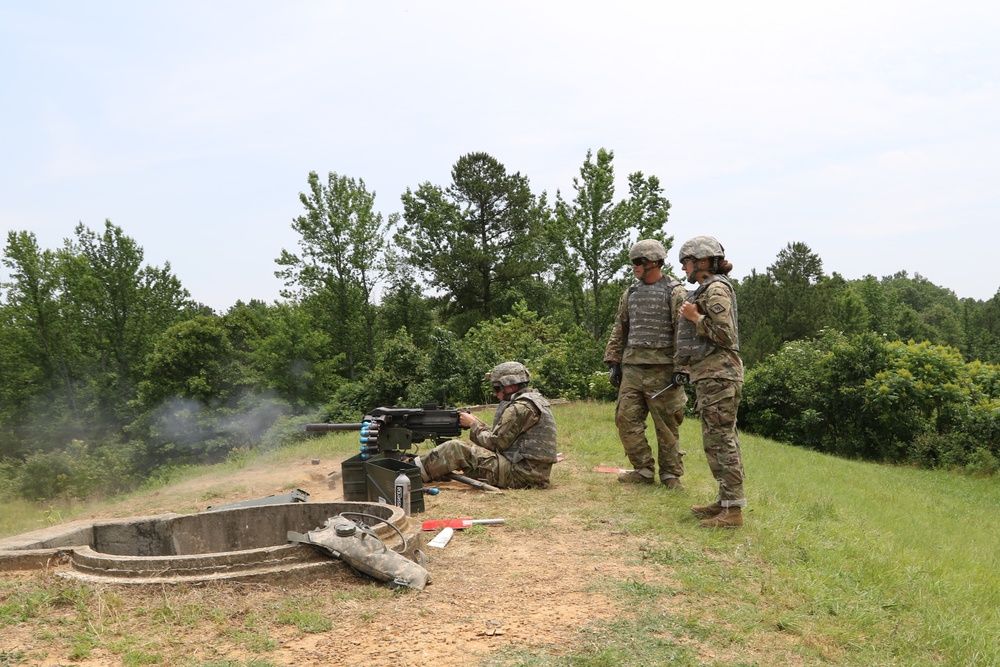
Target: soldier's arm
(716,322)
(516,419)
(616,344)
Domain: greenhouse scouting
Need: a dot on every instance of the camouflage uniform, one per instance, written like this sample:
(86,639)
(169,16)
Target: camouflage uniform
(518,452)
(709,351)
(642,341)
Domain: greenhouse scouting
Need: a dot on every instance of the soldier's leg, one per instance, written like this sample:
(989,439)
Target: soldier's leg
(667,411)
(474,461)
(630,418)
(718,401)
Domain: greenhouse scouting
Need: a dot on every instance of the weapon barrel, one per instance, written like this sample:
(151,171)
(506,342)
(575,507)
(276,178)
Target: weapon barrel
(483,486)
(331,428)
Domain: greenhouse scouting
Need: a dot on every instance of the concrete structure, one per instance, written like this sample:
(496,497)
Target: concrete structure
(244,543)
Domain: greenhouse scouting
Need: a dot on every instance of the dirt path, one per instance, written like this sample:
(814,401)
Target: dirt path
(494,588)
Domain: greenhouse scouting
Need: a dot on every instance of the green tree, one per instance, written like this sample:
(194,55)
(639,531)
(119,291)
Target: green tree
(123,306)
(190,360)
(797,274)
(793,300)
(342,243)
(87,314)
(478,241)
(925,311)
(758,339)
(850,312)
(43,345)
(981,327)
(292,357)
(403,304)
(590,237)
(880,306)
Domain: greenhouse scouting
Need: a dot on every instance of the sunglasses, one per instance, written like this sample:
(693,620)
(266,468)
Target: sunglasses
(497,388)
(639,261)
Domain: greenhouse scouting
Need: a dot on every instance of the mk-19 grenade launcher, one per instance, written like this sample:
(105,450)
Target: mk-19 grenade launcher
(391,431)
(387,435)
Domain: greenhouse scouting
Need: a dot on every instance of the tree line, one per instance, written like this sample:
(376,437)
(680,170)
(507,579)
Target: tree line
(110,373)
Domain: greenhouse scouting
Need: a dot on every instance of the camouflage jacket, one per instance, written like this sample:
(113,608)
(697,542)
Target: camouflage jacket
(523,428)
(716,333)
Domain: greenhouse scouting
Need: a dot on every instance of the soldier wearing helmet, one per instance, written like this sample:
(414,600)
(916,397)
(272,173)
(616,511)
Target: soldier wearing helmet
(640,358)
(708,349)
(516,452)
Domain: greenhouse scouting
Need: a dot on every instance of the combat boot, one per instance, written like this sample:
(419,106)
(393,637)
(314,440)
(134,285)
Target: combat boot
(730,517)
(707,511)
(635,477)
(672,483)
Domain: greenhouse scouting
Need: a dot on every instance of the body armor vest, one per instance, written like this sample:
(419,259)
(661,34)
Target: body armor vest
(538,443)
(690,346)
(650,322)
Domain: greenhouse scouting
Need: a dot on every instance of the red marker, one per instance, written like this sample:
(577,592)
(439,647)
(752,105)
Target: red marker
(434,524)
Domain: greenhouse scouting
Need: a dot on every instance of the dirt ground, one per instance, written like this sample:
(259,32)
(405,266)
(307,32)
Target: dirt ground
(494,588)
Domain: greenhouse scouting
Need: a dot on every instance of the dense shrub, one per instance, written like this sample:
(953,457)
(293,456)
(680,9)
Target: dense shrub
(862,396)
(77,471)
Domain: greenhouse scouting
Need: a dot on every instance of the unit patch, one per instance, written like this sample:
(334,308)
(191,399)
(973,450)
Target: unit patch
(717,308)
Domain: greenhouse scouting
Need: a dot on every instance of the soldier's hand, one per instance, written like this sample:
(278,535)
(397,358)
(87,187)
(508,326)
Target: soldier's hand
(615,375)
(689,311)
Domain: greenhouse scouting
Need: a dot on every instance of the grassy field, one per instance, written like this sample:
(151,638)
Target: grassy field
(851,563)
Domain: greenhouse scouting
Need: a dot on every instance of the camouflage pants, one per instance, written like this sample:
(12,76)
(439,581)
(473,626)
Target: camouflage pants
(474,461)
(639,382)
(717,401)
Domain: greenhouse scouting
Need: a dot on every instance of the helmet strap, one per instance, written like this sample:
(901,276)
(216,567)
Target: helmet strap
(646,269)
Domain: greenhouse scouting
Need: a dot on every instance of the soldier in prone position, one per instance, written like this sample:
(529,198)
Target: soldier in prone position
(640,357)
(517,452)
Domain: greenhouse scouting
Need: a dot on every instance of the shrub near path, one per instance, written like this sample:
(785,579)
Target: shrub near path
(587,573)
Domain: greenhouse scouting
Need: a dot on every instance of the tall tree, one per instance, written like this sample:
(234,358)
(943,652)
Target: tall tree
(32,305)
(479,240)
(793,300)
(342,242)
(590,237)
(925,311)
(123,306)
(797,274)
(758,339)
(880,304)
(86,316)
(403,305)
(981,322)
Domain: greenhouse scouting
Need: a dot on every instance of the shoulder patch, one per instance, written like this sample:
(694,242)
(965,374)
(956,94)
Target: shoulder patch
(717,308)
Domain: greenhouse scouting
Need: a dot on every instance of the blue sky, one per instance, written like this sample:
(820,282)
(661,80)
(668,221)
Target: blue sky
(867,130)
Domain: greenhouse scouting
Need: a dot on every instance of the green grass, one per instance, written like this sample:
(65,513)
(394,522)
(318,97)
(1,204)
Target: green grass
(839,563)
(862,564)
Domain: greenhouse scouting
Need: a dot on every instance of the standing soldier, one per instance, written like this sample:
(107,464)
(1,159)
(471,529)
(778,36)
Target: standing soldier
(640,356)
(708,349)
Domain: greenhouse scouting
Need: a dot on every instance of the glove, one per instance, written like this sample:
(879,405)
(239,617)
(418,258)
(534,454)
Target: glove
(680,378)
(615,375)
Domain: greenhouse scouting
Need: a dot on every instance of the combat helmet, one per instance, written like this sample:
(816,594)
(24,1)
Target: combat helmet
(508,373)
(701,247)
(648,248)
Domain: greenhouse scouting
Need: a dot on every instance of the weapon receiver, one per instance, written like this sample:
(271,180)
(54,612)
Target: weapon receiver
(392,430)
